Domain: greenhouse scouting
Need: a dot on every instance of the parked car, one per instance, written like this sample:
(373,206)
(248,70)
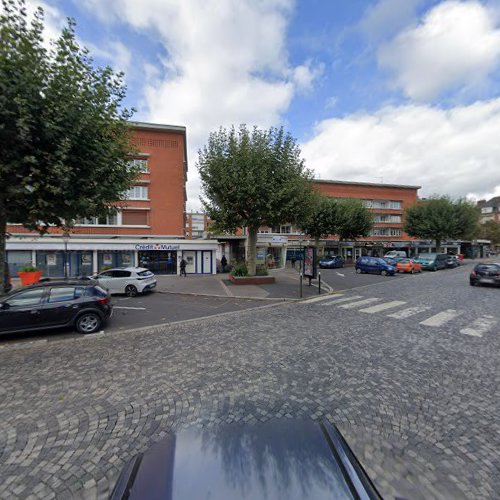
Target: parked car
(292,459)
(331,262)
(485,274)
(374,265)
(55,304)
(392,261)
(395,253)
(451,262)
(128,280)
(432,261)
(408,266)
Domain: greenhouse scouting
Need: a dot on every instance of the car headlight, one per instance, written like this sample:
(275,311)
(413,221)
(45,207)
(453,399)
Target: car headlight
(431,262)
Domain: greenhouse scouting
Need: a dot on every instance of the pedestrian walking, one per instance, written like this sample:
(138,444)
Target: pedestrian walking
(183,267)
(223,263)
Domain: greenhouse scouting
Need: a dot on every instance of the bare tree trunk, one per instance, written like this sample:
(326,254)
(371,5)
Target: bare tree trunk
(252,250)
(438,245)
(3,231)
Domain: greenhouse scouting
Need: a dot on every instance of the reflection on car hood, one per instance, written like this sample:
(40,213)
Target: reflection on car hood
(285,459)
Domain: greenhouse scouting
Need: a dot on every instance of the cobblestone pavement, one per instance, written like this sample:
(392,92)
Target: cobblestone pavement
(417,400)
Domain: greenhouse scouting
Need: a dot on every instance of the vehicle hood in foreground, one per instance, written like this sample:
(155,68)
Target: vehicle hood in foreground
(280,459)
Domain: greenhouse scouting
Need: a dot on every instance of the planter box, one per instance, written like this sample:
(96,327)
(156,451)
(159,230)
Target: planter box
(251,280)
(29,278)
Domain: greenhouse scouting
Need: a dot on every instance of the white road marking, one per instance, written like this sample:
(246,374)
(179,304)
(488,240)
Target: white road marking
(480,326)
(134,308)
(352,305)
(340,274)
(440,318)
(383,307)
(410,311)
(322,297)
(338,301)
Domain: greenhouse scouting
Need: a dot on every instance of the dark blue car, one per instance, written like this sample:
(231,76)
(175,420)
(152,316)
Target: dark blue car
(374,265)
(331,262)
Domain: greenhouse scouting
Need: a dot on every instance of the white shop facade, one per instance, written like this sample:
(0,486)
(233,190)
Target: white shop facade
(83,256)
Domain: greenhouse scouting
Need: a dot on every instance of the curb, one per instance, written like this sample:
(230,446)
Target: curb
(244,297)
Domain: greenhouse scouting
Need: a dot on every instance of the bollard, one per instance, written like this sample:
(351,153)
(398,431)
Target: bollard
(300,285)
(319,283)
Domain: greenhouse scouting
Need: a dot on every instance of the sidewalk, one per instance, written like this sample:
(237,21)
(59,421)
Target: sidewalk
(286,287)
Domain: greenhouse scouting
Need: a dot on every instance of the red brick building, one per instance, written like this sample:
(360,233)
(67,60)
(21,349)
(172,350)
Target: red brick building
(148,229)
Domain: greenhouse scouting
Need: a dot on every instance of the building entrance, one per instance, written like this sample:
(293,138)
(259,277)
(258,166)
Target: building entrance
(159,262)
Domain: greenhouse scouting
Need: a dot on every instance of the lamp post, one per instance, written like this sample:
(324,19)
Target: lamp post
(66,239)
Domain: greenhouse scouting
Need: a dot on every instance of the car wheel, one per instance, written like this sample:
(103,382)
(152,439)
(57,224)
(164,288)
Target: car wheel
(358,270)
(472,283)
(88,323)
(131,291)
(434,269)
(383,272)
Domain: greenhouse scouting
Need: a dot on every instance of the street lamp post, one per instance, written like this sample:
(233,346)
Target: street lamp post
(66,239)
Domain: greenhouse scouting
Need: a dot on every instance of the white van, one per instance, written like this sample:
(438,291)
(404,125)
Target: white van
(395,253)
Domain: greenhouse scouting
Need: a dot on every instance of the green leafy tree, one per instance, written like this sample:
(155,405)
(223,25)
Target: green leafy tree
(490,230)
(323,219)
(253,178)
(441,218)
(355,219)
(63,133)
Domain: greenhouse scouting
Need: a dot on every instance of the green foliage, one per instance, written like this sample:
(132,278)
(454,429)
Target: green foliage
(252,178)
(441,218)
(261,270)
(63,134)
(28,269)
(490,230)
(347,218)
(240,269)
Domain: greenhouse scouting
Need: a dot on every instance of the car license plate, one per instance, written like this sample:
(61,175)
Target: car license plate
(487,280)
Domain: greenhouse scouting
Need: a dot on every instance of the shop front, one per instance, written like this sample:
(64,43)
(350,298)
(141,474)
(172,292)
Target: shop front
(271,251)
(87,256)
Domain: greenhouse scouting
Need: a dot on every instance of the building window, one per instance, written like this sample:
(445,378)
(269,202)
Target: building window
(141,165)
(395,205)
(393,231)
(134,218)
(368,203)
(108,220)
(387,218)
(137,193)
(378,231)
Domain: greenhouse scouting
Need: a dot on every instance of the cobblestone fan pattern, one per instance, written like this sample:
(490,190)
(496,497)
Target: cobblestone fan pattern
(419,407)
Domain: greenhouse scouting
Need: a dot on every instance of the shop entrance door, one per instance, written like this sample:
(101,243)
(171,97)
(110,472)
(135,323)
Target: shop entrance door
(206,262)
(159,262)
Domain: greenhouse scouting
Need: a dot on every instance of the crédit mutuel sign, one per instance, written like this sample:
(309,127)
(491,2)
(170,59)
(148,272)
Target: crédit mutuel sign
(157,246)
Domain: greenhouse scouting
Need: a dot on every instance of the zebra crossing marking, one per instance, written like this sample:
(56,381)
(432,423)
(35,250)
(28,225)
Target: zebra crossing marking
(339,301)
(441,318)
(352,305)
(321,298)
(408,312)
(383,307)
(479,326)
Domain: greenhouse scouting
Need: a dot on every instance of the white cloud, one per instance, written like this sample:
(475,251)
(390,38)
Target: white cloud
(387,17)
(456,44)
(445,151)
(225,63)
(115,52)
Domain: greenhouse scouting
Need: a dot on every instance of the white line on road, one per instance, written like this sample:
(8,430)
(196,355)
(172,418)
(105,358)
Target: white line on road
(134,308)
(338,301)
(480,326)
(352,305)
(410,311)
(319,299)
(440,318)
(383,307)
(340,274)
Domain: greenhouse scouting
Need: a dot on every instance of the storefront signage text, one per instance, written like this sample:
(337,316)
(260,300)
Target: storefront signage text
(157,246)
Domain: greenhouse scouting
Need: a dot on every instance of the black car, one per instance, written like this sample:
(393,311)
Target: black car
(331,262)
(7,285)
(488,274)
(55,304)
(280,459)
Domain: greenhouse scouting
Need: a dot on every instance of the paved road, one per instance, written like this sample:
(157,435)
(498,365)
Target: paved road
(147,310)
(408,369)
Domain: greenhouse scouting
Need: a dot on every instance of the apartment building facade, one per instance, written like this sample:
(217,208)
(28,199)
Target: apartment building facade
(490,210)
(148,230)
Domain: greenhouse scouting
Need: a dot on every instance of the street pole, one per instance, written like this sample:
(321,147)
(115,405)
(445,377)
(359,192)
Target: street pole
(319,283)
(65,239)
(300,284)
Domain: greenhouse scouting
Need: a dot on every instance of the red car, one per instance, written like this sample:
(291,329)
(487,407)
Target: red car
(408,266)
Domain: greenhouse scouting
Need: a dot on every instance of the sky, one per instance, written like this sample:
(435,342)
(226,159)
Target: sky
(393,91)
